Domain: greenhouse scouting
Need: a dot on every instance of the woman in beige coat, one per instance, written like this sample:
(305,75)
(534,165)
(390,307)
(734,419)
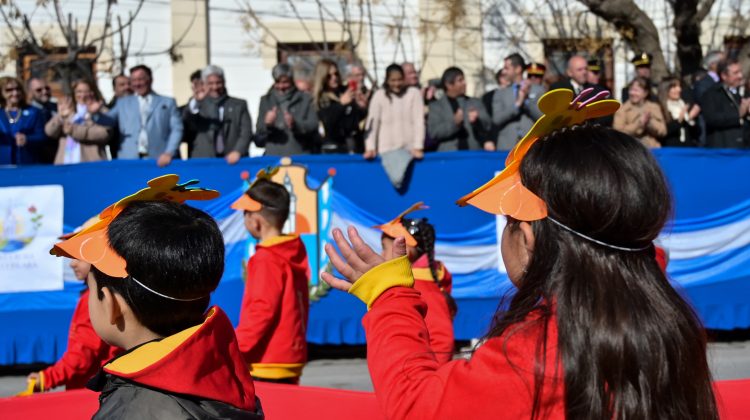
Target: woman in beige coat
(81,140)
(641,118)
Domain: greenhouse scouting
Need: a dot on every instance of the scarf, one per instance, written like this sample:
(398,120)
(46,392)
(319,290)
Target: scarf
(72,146)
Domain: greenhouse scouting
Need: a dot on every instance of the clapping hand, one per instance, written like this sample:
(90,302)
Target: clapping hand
(358,258)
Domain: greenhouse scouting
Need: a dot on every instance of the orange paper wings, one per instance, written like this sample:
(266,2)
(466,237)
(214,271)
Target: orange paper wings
(245,202)
(395,228)
(91,244)
(505,194)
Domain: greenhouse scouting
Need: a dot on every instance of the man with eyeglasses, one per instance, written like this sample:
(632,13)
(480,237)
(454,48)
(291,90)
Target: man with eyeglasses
(40,97)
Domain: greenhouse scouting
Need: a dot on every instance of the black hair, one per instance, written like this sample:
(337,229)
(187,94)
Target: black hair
(630,347)
(173,249)
(424,233)
(450,75)
(114,79)
(516,60)
(196,75)
(393,68)
(143,67)
(275,200)
(723,65)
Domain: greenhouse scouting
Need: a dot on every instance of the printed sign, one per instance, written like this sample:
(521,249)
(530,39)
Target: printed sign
(31,220)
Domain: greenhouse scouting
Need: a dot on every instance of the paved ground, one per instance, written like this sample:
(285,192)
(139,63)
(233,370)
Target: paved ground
(728,361)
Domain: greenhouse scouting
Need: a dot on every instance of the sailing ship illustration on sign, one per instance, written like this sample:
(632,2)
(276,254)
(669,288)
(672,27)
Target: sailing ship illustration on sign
(310,217)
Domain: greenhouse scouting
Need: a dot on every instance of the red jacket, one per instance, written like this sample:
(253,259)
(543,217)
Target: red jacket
(273,316)
(86,352)
(438,319)
(497,383)
(195,373)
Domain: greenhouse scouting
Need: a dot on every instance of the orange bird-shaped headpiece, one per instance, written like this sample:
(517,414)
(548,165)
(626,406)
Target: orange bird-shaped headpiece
(245,202)
(505,194)
(395,228)
(91,244)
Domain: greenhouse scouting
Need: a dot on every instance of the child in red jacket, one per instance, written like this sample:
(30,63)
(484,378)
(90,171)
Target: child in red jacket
(273,316)
(594,329)
(155,262)
(432,278)
(86,352)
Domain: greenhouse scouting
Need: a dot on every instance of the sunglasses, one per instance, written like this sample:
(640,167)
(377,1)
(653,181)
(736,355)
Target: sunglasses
(42,89)
(12,89)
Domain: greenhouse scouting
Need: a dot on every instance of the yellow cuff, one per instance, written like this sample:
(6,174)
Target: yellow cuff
(389,274)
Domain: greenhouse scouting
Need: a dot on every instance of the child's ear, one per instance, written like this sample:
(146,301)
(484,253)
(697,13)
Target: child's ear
(112,303)
(528,237)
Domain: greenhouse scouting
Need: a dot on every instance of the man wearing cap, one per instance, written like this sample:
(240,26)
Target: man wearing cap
(642,63)
(535,73)
(222,124)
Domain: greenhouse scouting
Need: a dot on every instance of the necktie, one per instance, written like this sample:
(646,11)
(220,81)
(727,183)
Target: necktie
(219,141)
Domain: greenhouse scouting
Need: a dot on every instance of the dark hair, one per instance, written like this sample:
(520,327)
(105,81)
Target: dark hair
(643,83)
(196,75)
(114,79)
(629,345)
(664,87)
(275,200)
(450,75)
(516,60)
(393,68)
(723,65)
(142,67)
(173,249)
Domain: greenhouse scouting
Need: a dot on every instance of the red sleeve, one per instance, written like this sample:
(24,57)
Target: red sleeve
(439,324)
(84,354)
(261,303)
(410,383)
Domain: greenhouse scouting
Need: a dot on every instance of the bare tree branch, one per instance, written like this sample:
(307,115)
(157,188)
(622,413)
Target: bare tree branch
(88,23)
(131,19)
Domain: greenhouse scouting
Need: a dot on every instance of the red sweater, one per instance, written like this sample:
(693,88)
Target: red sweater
(86,352)
(438,319)
(273,316)
(497,383)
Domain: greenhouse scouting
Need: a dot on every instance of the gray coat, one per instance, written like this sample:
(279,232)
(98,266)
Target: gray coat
(444,130)
(513,123)
(280,140)
(235,125)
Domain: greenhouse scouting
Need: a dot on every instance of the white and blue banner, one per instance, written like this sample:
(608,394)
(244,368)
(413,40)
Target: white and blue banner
(708,240)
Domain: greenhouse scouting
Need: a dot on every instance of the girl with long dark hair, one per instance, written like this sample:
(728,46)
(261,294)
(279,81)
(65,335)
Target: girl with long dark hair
(593,331)
(432,278)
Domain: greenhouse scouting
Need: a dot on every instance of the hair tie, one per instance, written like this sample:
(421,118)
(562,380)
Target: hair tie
(596,241)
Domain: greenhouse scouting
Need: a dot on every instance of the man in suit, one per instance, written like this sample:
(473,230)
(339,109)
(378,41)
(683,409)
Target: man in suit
(723,109)
(40,97)
(222,124)
(711,63)
(148,123)
(456,121)
(577,72)
(514,107)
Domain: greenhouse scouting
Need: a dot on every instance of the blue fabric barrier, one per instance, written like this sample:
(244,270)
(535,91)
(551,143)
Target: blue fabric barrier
(708,242)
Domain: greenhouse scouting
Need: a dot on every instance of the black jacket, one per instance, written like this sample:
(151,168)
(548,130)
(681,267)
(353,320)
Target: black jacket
(146,403)
(721,111)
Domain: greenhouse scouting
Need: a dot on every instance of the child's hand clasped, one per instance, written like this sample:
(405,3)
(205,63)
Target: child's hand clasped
(358,258)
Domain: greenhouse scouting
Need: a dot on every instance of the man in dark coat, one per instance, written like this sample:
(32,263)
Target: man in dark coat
(222,124)
(724,110)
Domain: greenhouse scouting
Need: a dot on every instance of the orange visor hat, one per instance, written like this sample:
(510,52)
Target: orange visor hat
(91,244)
(247,203)
(395,228)
(505,194)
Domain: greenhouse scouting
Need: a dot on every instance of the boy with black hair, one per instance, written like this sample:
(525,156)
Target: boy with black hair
(154,265)
(273,316)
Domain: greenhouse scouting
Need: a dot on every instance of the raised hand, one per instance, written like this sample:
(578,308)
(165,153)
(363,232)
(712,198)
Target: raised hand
(270,116)
(358,258)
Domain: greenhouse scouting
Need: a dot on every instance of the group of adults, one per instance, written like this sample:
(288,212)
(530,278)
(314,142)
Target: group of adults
(333,114)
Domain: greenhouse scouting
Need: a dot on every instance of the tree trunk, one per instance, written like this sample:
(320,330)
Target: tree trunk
(688,15)
(635,27)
